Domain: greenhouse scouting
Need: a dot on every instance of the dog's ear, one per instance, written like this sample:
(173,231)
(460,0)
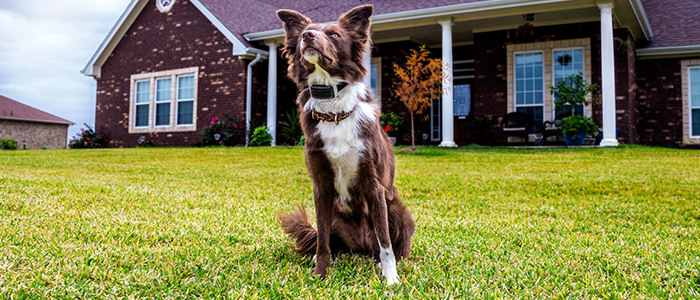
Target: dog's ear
(294,22)
(357,20)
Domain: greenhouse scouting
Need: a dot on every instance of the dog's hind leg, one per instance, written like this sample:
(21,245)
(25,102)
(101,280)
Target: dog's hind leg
(379,216)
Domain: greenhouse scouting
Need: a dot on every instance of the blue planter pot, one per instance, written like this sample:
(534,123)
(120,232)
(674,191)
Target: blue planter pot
(575,142)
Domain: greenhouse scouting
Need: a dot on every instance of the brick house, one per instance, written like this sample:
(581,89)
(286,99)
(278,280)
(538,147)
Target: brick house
(169,66)
(38,128)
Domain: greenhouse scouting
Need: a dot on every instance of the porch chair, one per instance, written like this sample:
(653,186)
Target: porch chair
(552,130)
(516,124)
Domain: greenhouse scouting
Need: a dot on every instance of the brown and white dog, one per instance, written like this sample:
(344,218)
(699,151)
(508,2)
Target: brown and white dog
(347,153)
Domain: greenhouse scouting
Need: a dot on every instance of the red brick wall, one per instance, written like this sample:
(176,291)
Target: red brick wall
(626,87)
(660,101)
(181,38)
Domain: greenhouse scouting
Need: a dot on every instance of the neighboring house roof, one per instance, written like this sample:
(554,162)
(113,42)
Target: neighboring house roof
(13,110)
(675,23)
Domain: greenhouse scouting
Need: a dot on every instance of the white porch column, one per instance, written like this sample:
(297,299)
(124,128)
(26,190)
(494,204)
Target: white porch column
(608,73)
(272,92)
(367,59)
(448,93)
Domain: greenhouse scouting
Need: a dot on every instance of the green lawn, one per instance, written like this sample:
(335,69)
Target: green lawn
(491,223)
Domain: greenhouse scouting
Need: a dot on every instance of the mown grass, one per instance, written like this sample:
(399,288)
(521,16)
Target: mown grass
(491,223)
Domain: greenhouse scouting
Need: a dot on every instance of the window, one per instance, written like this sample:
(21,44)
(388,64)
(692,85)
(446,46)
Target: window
(185,99)
(435,119)
(463,69)
(376,77)
(164,101)
(566,63)
(143,90)
(529,85)
(694,93)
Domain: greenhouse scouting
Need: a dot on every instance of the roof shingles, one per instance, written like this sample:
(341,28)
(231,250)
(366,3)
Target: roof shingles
(675,23)
(13,110)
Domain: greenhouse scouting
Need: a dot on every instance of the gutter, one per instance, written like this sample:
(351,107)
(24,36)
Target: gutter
(641,15)
(249,96)
(38,121)
(668,52)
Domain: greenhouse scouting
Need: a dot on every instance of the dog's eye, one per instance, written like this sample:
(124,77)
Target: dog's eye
(335,35)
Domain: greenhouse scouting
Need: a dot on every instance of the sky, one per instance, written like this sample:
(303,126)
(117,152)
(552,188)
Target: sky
(43,46)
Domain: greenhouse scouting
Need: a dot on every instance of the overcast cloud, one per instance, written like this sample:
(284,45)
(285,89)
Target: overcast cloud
(43,46)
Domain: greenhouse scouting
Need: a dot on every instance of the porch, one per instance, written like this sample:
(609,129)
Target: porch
(501,58)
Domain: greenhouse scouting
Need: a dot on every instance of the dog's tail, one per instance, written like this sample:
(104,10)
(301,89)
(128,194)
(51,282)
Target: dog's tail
(296,225)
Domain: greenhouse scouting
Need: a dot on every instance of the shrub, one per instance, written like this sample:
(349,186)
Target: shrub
(226,129)
(391,123)
(8,144)
(302,141)
(575,123)
(291,128)
(88,138)
(261,137)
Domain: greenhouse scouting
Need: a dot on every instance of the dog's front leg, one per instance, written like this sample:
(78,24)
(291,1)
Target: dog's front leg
(378,210)
(323,200)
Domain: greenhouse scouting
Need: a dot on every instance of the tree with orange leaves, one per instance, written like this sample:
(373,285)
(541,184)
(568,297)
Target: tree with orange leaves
(418,83)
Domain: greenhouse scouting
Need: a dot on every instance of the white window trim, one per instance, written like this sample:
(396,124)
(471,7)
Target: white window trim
(132,121)
(377,61)
(544,84)
(173,127)
(554,111)
(688,101)
(156,102)
(178,100)
(547,47)
(686,65)
(432,126)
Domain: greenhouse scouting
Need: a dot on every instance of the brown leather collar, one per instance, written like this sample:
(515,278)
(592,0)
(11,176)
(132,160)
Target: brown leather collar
(337,117)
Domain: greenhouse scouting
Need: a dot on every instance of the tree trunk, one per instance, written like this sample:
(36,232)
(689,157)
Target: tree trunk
(413,133)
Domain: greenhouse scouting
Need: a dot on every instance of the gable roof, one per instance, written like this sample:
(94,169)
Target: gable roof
(13,110)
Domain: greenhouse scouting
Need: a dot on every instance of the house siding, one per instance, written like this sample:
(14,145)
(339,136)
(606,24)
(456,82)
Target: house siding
(38,135)
(181,38)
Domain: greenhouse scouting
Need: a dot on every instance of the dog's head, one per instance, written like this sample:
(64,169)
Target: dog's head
(336,48)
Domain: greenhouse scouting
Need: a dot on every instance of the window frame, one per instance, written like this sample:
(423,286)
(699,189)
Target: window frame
(690,102)
(178,100)
(515,83)
(152,77)
(583,72)
(136,104)
(156,102)
(432,125)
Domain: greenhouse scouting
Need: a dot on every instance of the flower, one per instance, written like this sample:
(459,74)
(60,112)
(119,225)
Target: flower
(220,142)
(387,128)
(88,139)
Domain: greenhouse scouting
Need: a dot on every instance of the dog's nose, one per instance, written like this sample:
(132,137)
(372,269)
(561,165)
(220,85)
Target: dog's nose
(308,35)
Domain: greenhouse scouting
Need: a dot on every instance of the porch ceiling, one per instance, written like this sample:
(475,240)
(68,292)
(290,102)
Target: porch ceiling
(463,30)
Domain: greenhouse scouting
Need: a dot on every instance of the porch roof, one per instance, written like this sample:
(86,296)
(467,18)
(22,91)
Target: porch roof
(675,23)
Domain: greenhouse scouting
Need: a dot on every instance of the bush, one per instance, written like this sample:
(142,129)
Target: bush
(261,137)
(227,130)
(575,123)
(8,144)
(391,123)
(88,138)
(291,128)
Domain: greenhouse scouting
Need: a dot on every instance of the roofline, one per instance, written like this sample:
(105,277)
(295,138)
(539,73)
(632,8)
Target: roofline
(668,52)
(93,67)
(40,121)
(641,15)
(446,11)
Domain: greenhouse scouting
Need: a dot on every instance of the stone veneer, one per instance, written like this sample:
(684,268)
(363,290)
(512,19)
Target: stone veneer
(38,135)
(685,64)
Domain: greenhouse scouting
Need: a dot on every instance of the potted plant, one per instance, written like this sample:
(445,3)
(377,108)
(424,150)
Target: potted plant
(567,95)
(392,123)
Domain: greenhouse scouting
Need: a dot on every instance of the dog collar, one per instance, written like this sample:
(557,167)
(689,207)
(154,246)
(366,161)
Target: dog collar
(337,117)
(326,91)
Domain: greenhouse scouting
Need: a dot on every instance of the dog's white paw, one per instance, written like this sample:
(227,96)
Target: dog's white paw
(314,258)
(389,272)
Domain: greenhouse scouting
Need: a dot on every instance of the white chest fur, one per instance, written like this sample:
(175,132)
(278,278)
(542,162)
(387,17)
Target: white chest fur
(342,143)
